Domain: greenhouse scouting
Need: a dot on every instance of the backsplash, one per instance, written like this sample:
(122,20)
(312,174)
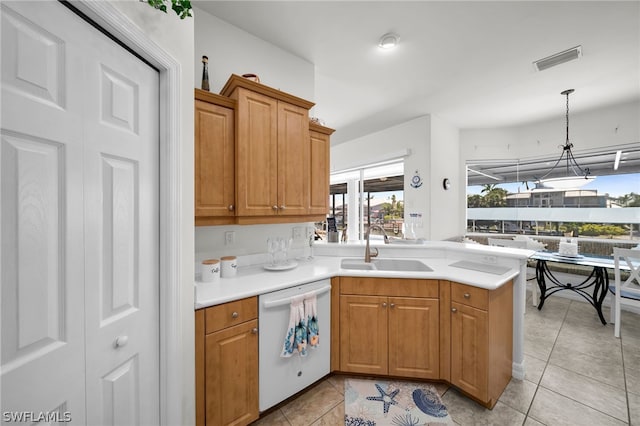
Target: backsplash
(247,239)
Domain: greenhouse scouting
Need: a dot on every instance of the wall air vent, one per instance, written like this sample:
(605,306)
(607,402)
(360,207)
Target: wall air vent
(558,58)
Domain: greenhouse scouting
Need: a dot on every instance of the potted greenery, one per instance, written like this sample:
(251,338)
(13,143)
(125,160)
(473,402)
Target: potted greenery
(182,8)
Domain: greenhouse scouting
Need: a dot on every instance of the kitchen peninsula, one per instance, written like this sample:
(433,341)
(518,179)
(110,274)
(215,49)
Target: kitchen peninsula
(461,276)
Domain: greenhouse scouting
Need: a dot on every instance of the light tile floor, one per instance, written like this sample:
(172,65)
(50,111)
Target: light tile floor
(578,373)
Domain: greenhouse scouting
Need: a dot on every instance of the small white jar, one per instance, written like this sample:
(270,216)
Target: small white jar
(210,269)
(229,266)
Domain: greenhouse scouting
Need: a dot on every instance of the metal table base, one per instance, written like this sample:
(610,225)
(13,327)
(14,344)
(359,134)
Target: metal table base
(599,279)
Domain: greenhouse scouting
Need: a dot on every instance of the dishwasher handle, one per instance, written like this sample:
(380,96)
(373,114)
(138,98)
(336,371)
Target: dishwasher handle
(287,300)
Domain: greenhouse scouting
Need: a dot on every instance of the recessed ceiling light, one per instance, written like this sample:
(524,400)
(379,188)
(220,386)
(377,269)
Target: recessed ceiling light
(388,41)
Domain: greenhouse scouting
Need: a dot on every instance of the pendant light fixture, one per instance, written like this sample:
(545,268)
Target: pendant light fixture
(573,169)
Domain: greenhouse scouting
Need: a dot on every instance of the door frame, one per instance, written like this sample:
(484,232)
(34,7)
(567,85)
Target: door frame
(171,359)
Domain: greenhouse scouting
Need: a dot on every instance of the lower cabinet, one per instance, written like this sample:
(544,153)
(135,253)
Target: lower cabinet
(427,329)
(481,340)
(227,363)
(413,328)
(386,333)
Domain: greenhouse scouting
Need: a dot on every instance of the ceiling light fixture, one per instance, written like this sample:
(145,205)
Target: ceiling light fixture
(616,163)
(484,174)
(571,163)
(388,41)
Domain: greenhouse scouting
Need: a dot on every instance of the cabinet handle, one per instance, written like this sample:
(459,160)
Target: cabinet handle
(234,315)
(454,310)
(282,207)
(274,207)
(393,305)
(230,207)
(254,330)
(384,304)
(467,295)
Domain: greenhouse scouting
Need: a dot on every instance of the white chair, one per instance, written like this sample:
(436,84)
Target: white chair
(501,242)
(627,292)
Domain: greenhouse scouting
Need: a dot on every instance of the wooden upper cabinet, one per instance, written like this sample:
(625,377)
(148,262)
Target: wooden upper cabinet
(214,158)
(273,150)
(293,159)
(257,154)
(258,159)
(319,167)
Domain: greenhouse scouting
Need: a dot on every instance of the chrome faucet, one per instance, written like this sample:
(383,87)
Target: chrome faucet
(367,253)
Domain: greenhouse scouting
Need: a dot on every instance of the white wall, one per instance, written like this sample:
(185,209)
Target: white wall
(588,131)
(233,51)
(175,36)
(447,214)
(434,155)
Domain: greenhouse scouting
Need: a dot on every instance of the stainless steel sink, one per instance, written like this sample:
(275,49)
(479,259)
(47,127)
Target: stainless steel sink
(401,265)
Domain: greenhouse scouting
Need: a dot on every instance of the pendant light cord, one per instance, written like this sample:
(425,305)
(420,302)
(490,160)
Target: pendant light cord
(566,149)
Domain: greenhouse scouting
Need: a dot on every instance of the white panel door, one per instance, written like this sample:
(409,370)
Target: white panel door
(79,223)
(42,356)
(121,237)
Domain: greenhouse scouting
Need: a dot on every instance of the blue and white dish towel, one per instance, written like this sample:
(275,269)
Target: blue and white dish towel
(303,326)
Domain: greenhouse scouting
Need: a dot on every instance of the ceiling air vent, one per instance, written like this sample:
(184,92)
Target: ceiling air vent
(558,58)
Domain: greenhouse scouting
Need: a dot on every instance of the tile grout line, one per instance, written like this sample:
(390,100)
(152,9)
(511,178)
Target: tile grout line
(624,372)
(580,374)
(539,384)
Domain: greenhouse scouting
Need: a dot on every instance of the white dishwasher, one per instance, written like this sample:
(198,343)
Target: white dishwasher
(279,378)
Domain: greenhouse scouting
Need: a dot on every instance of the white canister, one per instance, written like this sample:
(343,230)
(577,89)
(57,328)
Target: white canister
(210,270)
(229,266)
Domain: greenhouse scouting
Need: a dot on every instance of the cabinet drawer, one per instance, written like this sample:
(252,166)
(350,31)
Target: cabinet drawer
(401,287)
(232,313)
(470,296)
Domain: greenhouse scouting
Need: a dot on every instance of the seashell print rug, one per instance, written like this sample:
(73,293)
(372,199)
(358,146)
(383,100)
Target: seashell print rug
(392,403)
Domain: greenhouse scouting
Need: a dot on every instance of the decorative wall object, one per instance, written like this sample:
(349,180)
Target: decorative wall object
(416,180)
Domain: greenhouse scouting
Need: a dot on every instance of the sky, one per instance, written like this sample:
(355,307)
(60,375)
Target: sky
(614,185)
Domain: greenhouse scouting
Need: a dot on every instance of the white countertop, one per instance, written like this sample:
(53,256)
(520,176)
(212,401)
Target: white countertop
(254,280)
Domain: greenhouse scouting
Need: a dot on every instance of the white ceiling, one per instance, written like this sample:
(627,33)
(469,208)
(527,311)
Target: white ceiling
(467,62)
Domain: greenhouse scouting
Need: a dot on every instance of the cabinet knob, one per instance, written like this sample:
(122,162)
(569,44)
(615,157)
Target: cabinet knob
(254,330)
(234,315)
(454,310)
(393,305)
(274,207)
(282,207)
(121,341)
(467,295)
(230,207)
(384,304)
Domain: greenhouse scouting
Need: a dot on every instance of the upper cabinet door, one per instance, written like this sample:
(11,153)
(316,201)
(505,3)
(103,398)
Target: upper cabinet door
(256,154)
(214,160)
(319,167)
(293,160)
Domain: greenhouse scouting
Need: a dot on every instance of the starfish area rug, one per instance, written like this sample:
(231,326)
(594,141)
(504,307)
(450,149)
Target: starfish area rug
(392,403)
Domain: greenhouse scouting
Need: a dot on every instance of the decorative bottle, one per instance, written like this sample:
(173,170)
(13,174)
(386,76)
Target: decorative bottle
(205,73)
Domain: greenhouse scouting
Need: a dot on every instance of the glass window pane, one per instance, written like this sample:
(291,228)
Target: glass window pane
(506,197)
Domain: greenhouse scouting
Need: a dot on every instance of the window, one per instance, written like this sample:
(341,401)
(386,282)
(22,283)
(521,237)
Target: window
(507,197)
(369,195)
